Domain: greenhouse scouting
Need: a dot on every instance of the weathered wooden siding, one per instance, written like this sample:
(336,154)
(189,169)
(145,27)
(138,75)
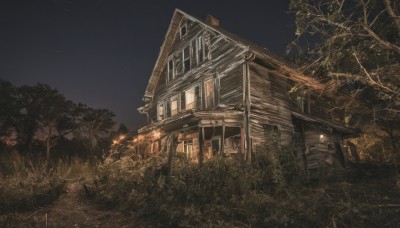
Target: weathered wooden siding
(320,146)
(231,88)
(222,60)
(270,104)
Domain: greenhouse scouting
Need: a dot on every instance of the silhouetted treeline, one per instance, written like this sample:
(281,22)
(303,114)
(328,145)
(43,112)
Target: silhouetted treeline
(39,121)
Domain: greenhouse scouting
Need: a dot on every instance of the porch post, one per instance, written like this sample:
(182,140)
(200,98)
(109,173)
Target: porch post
(222,141)
(201,145)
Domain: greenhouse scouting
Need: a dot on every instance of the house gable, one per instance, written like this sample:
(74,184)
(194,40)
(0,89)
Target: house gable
(220,56)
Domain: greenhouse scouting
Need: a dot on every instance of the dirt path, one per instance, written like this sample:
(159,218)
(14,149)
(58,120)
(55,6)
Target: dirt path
(71,210)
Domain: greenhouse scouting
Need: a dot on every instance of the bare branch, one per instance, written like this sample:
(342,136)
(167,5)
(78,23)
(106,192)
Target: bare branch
(375,36)
(372,81)
(392,14)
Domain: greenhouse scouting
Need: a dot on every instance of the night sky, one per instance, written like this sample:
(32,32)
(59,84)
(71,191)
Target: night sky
(102,52)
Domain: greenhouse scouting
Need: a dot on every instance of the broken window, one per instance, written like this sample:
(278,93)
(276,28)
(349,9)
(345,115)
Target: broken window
(183,30)
(200,49)
(160,111)
(208,93)
(171,71)
(174,106)
(186,59)
(215,146)
(193,50)
(197,97)
(168,108)
(303,103)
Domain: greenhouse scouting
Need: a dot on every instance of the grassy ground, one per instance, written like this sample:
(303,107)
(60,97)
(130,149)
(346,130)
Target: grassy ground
(226,192)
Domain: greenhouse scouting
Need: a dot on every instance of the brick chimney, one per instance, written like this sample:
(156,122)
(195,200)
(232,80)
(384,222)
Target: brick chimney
(213,21)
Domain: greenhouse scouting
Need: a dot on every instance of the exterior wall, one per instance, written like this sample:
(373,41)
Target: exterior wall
(231,88)
(321,149)
(270,105)
(223,58)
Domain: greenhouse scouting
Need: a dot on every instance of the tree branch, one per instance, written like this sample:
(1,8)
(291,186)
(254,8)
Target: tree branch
(392,14)
(375,36)
(372,81)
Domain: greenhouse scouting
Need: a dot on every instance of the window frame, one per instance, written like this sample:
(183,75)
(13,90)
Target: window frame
(183,27)
(186,67)
(172,99)
(206,104)
(193,103)
(169,70)
(186,145)
(160,104)
(304,103)
(200,49)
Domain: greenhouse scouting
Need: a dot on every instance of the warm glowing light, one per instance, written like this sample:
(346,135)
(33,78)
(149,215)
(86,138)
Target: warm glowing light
(321,136)
(121,137)
(156,134)
(115,141)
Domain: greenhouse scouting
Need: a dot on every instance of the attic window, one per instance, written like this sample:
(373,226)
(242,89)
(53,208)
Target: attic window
(183,30)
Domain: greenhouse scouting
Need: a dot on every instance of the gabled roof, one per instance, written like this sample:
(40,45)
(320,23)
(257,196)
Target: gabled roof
(283,66)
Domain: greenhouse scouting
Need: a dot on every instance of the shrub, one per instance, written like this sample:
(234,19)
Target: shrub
(27,184)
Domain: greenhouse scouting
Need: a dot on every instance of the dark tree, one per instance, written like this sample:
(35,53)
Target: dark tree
(354,49)
(9,112)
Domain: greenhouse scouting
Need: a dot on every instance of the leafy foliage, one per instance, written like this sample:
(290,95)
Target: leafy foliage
(39,114)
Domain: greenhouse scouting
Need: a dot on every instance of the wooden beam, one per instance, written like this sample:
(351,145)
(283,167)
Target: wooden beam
(247,105)
(242,141)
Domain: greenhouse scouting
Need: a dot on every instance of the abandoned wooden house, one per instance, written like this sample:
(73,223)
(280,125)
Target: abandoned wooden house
(218,94)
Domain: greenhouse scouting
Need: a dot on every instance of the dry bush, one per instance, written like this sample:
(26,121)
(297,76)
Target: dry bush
(227,192)
(26,184)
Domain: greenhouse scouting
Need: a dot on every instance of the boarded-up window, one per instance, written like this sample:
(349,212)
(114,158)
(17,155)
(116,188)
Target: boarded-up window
(186,59)
(208,93)
(160,111)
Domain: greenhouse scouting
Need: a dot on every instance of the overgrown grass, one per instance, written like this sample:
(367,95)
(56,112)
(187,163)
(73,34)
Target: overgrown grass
(27,183)
(228,192)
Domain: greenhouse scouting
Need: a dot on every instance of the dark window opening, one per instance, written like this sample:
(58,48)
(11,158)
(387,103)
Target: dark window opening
(186,59)
(183,30)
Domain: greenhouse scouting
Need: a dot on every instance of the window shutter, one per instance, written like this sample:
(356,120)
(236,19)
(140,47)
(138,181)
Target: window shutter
(183,101)
(168,109)
(197,97)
